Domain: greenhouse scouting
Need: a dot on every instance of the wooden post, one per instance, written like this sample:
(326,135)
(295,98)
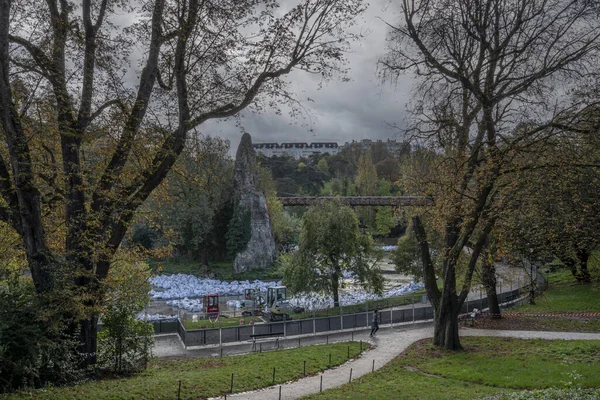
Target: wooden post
(304,367)
(231,389)
(321,389)
(373,369)
(273,375)
(179,391)
(350,380)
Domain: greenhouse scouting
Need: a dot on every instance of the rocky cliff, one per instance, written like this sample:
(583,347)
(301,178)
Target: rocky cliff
(260,251)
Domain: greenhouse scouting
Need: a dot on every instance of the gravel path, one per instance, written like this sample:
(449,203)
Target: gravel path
(389,343)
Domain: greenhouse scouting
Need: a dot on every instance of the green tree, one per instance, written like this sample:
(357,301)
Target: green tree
(479,93)
(322,166)
(91,148)
(366,184)
(385,218)
(193,195)
(35,350)
(286,227)
(388,169)
(125,343)
(239,231)
(554,207)
(331,243)
(406,256)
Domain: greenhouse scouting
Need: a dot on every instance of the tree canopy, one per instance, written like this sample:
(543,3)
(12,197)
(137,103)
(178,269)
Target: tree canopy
(330,244)
(83,143)
(492,74)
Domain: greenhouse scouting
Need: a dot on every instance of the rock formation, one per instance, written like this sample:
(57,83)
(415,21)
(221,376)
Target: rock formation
(260,250)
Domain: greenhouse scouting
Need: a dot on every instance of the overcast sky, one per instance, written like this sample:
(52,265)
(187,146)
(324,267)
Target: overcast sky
(339,111)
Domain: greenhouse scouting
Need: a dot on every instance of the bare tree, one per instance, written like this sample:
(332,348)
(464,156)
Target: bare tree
(73,125)
(493,73)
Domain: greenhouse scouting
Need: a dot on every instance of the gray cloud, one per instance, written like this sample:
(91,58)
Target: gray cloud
(340,111)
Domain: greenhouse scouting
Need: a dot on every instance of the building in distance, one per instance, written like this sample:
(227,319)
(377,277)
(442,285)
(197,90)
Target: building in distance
(296,149)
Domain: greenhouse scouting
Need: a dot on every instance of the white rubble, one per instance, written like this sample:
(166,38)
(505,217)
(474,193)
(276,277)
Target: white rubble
(179,288)
(182,286)
(315,301)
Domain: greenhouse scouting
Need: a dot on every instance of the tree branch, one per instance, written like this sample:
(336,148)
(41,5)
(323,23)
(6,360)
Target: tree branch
(147,80)
(433,291)
(41,59)
(476,252)
(231,109)
(104,106)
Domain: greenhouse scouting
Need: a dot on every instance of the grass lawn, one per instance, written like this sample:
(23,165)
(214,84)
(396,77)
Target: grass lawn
(206,377)
(565,295)
(223,322)
(533,323)
(487,366)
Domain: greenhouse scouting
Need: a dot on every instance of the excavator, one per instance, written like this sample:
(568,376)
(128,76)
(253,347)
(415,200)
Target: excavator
(277,307)
(252,303)
(210,305)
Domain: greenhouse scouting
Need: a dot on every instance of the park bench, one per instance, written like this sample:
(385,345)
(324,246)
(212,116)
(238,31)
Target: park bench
(260,336)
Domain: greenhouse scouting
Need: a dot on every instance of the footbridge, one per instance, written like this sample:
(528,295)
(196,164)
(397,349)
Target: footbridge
(360,201)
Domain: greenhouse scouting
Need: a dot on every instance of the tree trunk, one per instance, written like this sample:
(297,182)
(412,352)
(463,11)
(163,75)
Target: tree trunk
(433,293)
(88,339)
(583,275)
(445,330)
(335,285)
(488,278)
(578,266)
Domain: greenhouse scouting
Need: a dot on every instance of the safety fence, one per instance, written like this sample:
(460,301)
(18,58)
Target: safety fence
(222,335)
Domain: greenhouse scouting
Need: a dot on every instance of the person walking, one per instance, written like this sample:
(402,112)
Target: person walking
(375,324)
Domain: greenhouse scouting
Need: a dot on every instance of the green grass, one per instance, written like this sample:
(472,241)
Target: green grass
(207,377)
(222,270)
(221,323)
(564,295)
(487,366)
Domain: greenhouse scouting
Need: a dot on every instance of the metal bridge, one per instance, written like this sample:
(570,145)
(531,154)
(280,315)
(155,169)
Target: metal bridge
(361,201)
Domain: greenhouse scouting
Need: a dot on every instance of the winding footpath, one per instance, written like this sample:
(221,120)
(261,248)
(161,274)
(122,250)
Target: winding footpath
(389,343)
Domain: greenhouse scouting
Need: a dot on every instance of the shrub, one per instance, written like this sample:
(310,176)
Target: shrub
(125,343)
(35,349)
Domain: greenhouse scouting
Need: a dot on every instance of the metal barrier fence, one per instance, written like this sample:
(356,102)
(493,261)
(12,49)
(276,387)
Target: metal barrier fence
(165,326)
(217,336)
